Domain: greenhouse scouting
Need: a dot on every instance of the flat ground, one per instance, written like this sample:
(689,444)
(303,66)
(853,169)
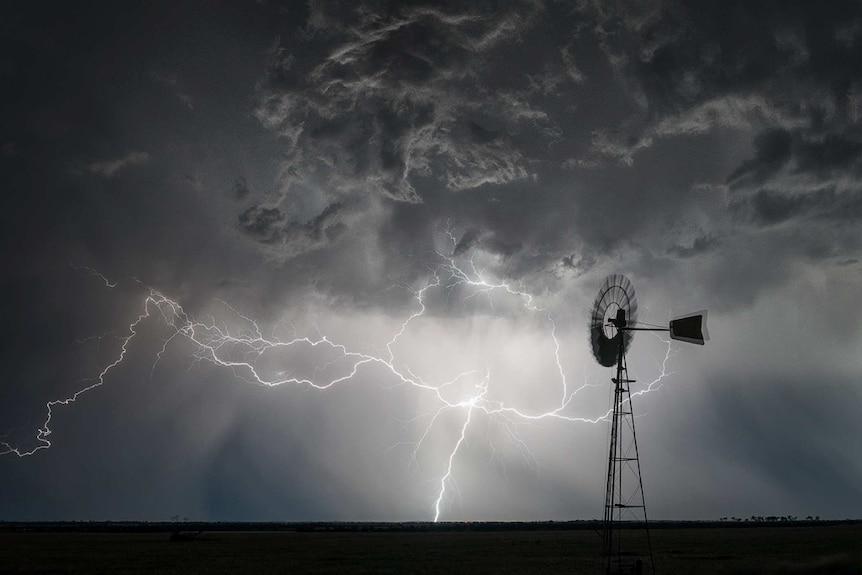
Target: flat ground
(833,549)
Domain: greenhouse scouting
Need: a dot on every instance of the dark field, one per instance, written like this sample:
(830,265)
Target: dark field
(703,550)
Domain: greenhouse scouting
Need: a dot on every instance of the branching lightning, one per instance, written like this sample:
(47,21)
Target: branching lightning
(240,350)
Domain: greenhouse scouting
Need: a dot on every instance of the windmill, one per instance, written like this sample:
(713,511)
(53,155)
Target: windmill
(612,325)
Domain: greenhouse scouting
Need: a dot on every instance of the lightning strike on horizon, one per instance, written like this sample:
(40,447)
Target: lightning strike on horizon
(448,475)
(216,344)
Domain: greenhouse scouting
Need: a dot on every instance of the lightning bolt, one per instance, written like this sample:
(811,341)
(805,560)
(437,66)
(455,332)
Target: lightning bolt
(240,350)
(92,272)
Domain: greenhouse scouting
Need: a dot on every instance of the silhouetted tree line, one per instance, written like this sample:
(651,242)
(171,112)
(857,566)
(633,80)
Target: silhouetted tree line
(592,524)
(770,518)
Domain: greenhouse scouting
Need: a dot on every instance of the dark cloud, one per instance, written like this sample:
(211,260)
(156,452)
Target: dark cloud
(784,78)
(834,152)
(770,66)
(824,157)
(271,226)
(500,246)
(488,242)
(467,242)
(387,100)
(579,264)
(264,224)
(769,207)
(773,150)
(240,188)
(701,245)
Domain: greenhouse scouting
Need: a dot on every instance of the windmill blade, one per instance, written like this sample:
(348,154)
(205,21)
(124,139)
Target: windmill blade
(690,328)
(616,295)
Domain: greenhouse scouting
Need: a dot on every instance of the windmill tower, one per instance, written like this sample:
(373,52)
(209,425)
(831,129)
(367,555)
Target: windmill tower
(626,545)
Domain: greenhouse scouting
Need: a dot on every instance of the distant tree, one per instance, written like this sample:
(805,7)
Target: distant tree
(809,518)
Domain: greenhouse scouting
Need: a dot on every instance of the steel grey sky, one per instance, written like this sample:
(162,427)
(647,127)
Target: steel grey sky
(303,162)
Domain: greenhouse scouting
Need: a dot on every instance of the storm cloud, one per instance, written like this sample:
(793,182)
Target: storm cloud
(436,189)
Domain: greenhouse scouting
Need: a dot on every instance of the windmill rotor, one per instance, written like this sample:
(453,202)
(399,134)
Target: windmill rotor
(617,293)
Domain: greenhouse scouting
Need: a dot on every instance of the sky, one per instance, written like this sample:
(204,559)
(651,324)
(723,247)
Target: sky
(335,260)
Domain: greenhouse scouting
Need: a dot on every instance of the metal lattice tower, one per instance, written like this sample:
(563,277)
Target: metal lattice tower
(625,505)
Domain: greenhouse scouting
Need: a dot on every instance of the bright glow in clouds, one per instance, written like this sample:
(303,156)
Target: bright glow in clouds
(495,355)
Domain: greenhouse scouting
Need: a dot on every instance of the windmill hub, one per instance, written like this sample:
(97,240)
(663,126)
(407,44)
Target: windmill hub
(619,319)
(610,328)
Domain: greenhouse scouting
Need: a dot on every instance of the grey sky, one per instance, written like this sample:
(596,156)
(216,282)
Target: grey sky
(311,166)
